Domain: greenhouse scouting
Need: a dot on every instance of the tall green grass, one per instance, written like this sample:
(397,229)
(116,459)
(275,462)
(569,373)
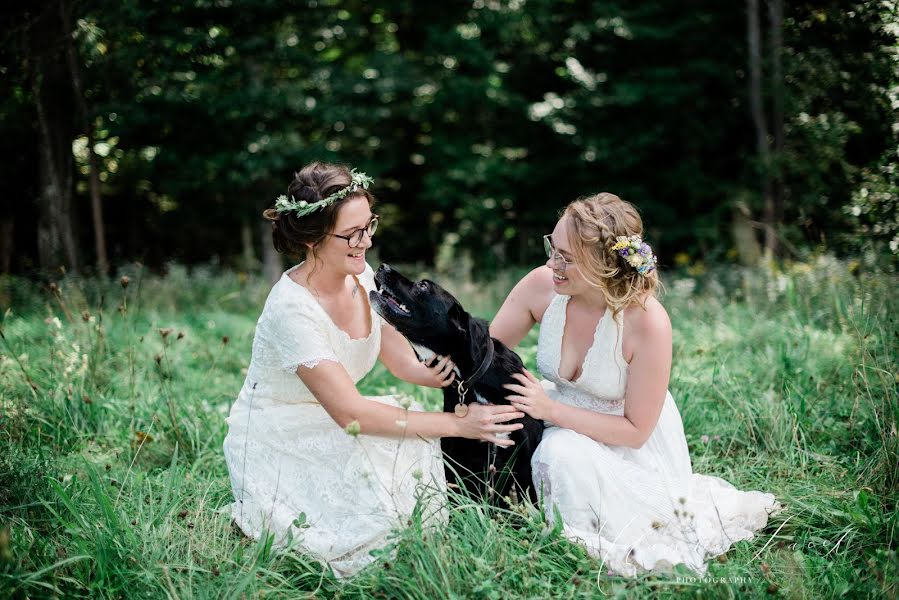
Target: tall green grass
(112,406)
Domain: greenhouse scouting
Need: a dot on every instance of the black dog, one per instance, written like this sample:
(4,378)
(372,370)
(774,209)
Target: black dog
(435,323)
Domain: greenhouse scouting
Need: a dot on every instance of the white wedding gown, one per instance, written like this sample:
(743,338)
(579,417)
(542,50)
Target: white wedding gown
(287,456)
(635,509)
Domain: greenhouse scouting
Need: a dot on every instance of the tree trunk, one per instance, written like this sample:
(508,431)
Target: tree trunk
(745,241)
(51,87)
(758,120)
(248,254)
(272,266)
(775,23)
(87,127)
(7,230)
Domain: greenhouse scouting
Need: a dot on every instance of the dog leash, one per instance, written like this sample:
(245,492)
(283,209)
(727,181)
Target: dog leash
(463,386)
(461,409)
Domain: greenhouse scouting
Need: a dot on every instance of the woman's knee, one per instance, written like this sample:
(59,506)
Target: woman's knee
(561,445)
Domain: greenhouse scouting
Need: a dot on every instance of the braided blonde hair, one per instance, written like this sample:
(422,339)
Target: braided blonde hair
(596,221)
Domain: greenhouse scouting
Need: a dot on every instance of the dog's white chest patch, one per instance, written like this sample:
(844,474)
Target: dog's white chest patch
(426,354)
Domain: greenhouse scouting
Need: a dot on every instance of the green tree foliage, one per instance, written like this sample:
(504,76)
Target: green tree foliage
(841,64)
(479,120)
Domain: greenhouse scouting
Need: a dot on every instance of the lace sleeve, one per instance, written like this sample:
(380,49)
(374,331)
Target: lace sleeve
(296,336)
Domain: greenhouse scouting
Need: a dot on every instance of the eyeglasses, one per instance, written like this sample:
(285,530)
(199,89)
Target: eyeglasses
(355,237)
(551,252)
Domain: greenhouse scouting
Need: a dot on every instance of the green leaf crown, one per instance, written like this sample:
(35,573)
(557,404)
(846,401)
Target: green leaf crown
(303,208)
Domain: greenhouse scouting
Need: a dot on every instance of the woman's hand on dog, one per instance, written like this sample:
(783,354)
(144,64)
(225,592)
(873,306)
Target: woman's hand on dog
(485,421)
(529,396)
(442,371)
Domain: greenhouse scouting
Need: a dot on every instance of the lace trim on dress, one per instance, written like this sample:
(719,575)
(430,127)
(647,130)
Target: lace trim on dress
(312,363)
(372,315)
(575,397)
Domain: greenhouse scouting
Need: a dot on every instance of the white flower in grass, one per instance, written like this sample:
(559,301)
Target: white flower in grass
(353,428)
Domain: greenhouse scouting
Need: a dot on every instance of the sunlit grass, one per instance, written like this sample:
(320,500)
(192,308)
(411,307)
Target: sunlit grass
(112,406)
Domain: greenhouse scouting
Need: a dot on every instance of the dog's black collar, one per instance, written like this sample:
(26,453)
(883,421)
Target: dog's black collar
(467,384)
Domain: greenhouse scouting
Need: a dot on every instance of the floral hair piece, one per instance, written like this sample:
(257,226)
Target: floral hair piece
(303,208)
(636,252)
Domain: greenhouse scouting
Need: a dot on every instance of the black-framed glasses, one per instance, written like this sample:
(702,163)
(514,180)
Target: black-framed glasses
(355,237)
(551,252)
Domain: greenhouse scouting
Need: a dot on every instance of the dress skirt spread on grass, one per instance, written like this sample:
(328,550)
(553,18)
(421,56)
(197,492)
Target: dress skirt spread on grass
(637,510)
(287,456)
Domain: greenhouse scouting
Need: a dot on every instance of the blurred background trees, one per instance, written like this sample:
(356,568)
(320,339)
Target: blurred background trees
(156,131)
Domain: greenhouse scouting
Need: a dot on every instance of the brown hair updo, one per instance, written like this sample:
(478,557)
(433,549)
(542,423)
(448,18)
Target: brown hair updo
(314,182)
(595,223)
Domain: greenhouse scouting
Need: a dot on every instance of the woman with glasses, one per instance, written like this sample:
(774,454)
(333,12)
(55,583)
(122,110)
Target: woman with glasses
(310,458)
(613,459)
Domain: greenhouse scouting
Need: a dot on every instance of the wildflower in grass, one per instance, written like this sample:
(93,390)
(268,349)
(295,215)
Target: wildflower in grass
(142,437)
(705,439)
(353,428)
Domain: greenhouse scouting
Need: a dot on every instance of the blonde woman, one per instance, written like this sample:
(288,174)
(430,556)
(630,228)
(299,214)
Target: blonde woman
(614,460)
(309,456)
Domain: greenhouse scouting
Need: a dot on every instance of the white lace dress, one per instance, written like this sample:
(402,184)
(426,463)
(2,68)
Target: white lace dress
(635,509)
(287,456)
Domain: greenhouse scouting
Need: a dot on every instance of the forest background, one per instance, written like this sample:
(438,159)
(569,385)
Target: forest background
(158,131)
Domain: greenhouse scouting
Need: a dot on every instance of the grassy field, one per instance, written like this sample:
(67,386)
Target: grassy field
(112,406)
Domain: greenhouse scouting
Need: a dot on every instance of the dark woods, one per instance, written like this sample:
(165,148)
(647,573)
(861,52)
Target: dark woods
(156,131)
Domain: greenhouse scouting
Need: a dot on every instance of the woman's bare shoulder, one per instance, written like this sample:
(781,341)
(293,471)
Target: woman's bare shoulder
(536,289)
(650,320)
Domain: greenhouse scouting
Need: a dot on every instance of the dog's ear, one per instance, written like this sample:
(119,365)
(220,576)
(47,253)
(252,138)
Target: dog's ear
(458,318)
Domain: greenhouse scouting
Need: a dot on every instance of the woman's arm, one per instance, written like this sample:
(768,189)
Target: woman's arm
(400,359)
(332,387)
(647,386)
(523,307)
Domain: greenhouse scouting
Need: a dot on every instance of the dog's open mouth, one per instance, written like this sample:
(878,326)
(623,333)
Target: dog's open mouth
(386,303)
(392,301)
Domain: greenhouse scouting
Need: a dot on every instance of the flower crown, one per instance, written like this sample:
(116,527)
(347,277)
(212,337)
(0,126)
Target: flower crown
(303,208)
(636,252)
